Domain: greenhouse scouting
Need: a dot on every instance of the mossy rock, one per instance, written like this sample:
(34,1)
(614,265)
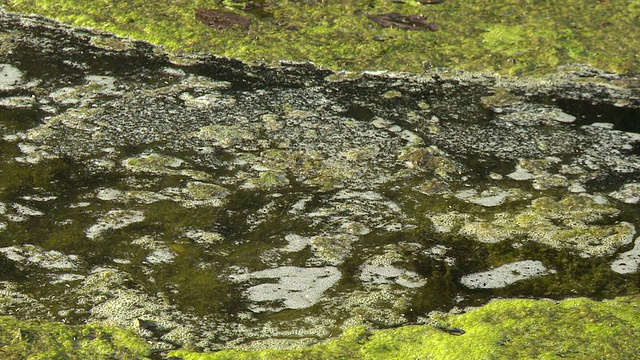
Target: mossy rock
(506,36)
(517,328)
(49,340)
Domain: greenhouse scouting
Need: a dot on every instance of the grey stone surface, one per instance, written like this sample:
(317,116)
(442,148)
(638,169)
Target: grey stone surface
(238,204)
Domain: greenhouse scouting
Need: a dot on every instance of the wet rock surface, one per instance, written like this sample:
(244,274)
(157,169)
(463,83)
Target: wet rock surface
(236,205)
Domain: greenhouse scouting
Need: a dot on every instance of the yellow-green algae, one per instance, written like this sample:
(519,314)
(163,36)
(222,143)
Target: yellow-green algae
(507,36)
(516,328)
(50,340)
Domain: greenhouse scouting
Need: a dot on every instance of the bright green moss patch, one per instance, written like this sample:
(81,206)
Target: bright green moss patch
(45,340)
(518,329)
(507,36)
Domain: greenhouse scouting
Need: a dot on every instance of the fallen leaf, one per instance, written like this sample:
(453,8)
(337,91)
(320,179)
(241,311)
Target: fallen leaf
(406,22)
(221,19)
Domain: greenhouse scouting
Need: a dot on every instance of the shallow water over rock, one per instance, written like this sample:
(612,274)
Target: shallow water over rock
(230,204)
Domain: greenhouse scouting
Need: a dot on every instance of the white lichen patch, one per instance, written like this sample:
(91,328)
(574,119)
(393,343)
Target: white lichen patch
(567,223)
(557,115)
(367,152)
(272,122)
(332,249)
(296,287)
(66,278)
(506,275)
(33,154)
(154,164)
(162,255)
(429,159)
(32,255)
(159,164)
(444,223)
(485,232)
(113,302)
(628,193)
(95,85)
(521,173)
(204,237)
(10,77)
(492,197)
(392,94)
(538,170)
(139,196)
(354,228)
(224,136)
(113,220)
(24,210)
(267,180)
(628,261)
(112,43)
(196,82)
(373,273)
(17,102)
(390,267)
(439,252)
(208,101)
(296,243)
(197,193)
(544,182)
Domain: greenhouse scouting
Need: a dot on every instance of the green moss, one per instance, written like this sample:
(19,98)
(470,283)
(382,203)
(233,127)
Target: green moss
(45,340)
(576,328)
(507,36)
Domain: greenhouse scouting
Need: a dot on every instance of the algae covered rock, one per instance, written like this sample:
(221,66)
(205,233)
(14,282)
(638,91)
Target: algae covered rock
(43,340)
(208,203)
(502,329)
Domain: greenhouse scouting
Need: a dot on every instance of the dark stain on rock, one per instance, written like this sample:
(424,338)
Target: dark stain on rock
(405,22)
(252,5)
(219,19)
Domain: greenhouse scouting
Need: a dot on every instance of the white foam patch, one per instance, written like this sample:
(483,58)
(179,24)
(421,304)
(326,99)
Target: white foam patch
(10,77)
(296,287)
(505,275)
(114,219)
(35,255)
(161,256)
(627,262)
(388,274)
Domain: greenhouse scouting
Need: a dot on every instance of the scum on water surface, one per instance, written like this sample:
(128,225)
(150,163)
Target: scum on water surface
(207,203)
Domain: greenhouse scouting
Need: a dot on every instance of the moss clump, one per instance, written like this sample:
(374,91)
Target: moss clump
(45,340)
(507,36)
(576,328)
